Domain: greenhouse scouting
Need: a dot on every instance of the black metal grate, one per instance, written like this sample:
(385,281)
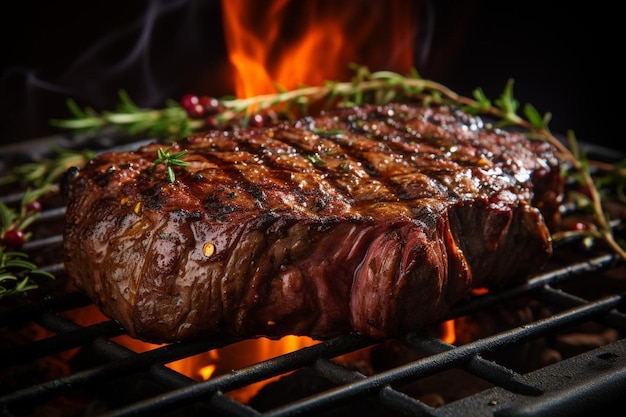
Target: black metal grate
(581,288)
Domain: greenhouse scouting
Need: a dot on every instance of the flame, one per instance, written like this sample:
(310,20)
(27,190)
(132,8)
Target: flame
(448,332)
(252,351)
(449,327)
(301,42)
(207,364)
(480,291)
(207,371)
(239,355)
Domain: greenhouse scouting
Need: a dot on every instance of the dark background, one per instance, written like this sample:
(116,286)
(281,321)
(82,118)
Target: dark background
(563,60)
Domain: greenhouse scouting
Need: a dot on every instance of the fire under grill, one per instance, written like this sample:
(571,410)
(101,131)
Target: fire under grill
(553,346)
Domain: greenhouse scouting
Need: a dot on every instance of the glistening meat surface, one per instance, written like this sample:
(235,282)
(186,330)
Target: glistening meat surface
(373,219)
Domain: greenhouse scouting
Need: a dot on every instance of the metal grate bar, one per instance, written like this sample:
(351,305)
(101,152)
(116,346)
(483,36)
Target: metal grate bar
(387,396)
(51,214)
(476,365)
(245,376)
(47,242)
(566,300)
(534,285)
(29,311)
(221,405)
(54,269)
(445,360)
(131,364)
(123,361)
(575,270)
(583,385)
(59,343)
(573,398)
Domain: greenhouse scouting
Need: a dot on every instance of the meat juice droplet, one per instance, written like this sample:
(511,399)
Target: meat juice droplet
(208,249)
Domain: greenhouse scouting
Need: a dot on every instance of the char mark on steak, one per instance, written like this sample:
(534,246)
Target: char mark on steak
(373,219)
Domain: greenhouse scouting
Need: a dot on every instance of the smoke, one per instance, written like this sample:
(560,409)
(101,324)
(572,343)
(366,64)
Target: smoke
(155,50)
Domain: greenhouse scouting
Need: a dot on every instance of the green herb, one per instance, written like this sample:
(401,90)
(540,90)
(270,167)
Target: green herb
(613,177)
(164,157)
(366,87)
(169,122)
(16,272)
(45,172)
(315,159)
(329,133)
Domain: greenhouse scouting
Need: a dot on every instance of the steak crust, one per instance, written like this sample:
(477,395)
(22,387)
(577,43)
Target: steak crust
(373,219)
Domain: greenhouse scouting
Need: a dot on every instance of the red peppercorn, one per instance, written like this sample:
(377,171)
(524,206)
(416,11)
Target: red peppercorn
(579,226)
(188,100)
(13,238)
(193,107)
(257,120)
(33,206)
(211,105)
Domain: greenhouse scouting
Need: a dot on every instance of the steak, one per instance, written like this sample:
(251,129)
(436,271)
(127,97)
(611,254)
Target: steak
(374,219)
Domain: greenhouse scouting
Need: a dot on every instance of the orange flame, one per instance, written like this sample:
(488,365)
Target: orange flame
(448,332)
(304,42)
(212,363)
(480,291)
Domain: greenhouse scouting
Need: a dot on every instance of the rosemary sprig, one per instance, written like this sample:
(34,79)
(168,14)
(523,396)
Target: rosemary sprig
(42,173)
(366,87)
(164,157)
(169,122)
(16,272)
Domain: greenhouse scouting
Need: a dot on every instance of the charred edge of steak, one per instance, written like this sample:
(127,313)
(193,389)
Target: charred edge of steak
(375,219)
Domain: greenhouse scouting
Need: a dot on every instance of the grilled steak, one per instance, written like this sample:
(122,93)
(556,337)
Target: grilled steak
(373,219)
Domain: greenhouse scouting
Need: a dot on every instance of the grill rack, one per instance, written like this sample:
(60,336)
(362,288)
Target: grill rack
(577,385)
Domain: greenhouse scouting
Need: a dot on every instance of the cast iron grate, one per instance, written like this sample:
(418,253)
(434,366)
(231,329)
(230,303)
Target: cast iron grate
(577,384)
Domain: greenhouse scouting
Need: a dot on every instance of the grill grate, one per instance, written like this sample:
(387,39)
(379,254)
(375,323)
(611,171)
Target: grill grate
(585,381)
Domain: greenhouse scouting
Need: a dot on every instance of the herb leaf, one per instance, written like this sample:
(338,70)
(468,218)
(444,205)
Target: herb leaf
(164,157)
(315,159)
(16,271)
